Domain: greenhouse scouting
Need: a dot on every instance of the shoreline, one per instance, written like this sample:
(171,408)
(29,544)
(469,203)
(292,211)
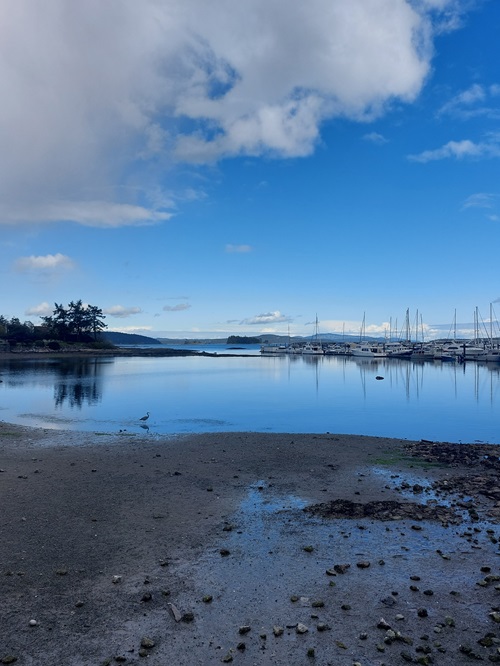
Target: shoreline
(213,549)
(118,352)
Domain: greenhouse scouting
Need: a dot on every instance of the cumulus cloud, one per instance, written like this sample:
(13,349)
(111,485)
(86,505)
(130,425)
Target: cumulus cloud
(100,101)
(238,248)
(177,308)
(460,150)
(121,312)
(266,318)
(49,263)
(41,310)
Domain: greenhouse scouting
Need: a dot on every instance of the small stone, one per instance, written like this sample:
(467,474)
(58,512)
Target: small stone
(399,617)
(309,549)
(228,658)
(187,617)
(364,564)
(278,631)
(383,624)
(33,623)
(322,626)
(341,568)
(301,628)
(207,598)
(143,652)
(9,659)
(147,643)
(116,579)
(319,603)
(244,629)
(310,652)
(346,607)
(241,647)
(422,612)
(62,572)
(147,596)
(224,552)
(428,593)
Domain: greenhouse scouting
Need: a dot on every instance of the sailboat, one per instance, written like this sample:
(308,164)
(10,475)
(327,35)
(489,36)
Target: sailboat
(314,346)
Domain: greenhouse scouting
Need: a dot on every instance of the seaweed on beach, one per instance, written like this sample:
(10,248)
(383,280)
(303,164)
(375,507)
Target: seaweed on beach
(383,510)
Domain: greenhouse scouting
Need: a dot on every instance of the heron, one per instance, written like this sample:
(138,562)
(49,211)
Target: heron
(144,418)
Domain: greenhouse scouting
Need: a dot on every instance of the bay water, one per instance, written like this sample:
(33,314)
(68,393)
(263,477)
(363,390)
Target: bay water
(248,392)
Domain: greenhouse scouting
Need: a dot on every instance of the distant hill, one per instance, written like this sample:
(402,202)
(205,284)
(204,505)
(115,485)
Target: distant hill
(128,339)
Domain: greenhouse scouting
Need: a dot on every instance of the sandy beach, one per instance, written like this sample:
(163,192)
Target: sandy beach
(247,548)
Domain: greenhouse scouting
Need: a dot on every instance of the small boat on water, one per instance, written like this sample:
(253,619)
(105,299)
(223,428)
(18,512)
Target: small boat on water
(274,348)
(368,350)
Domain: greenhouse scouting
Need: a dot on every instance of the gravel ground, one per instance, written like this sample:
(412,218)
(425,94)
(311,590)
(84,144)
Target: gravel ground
(248,548)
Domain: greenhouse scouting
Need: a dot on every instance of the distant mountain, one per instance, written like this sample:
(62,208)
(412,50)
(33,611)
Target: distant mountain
(128,339)
(323,337)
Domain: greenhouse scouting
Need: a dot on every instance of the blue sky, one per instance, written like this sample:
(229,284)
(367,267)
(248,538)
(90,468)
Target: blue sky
(202,169)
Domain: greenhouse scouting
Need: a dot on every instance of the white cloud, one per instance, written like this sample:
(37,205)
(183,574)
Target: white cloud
(49,263)
(472,102)
(238,248)
(266,318)
(100,100)
(41,310)
(480,200)
(87,213)
(177,308)
(460,150)
(375,137)
(121,312)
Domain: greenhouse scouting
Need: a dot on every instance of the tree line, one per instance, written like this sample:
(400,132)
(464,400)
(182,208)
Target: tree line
(74,323)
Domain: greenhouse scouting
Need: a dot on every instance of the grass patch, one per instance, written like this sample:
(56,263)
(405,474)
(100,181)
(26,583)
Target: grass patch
(394,459)
(9,433)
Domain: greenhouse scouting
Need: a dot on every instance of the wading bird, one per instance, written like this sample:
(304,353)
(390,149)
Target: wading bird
(144,418)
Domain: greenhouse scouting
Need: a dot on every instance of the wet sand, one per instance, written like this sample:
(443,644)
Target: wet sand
(246,547)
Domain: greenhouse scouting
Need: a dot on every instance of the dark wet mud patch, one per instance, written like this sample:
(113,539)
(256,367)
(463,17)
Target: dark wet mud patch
(454,455)
(384,510)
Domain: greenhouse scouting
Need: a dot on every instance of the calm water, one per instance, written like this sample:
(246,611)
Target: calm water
(436,401)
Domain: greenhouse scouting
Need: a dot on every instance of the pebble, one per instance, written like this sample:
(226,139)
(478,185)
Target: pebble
(278,631)
(33,623)
(301,628)
(363,564)
(147,643)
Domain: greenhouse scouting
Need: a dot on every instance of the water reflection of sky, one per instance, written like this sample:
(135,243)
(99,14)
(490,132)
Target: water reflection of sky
(435,401)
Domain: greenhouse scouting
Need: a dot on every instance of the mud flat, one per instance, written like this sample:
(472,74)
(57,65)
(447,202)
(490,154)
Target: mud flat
(247,548)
